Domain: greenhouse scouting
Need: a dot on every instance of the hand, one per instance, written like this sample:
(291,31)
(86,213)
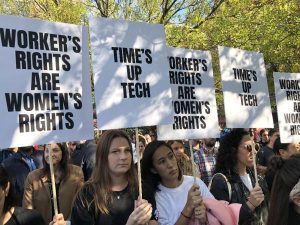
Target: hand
(200,213)
(256,196)
(141,214)
(58,220)
(194,200)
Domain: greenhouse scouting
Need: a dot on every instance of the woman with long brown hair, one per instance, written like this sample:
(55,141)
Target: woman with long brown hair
(38,192)
(109,196)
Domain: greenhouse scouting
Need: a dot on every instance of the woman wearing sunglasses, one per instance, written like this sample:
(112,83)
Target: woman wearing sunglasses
(235,161)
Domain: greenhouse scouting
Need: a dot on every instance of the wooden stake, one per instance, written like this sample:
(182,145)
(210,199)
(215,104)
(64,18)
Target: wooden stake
(52,180)
(192,159)
(137,148)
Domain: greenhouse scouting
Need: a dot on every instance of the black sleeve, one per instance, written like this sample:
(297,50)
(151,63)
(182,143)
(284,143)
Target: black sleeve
(149,195)
(28,216)
(81,214)
(220,191)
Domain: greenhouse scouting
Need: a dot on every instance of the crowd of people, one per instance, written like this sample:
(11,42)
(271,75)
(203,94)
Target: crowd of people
(96,181)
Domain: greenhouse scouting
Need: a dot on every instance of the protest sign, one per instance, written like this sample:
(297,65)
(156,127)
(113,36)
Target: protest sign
(45,84)
(130,73)
(287,91)
(245,89)
(193,94)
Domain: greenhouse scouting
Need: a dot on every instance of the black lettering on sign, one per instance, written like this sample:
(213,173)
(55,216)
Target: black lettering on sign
(295,129)
(248,100)
(189,122)
(136,90)
(45,122)
(131,55)
(289,84)
(45,81)
(185,78)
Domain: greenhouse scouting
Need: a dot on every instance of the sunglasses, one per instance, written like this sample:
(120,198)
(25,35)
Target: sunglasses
(249,147)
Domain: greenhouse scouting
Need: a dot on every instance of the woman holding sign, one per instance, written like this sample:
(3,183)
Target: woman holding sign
(68,179)
(234,179)
(109,196)
(178,197)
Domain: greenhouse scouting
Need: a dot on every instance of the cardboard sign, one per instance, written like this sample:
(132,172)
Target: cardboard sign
(287,91)
(44,96)
(245,89)
(130,73)
(194,102)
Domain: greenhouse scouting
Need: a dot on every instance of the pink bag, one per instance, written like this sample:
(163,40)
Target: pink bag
(219,213)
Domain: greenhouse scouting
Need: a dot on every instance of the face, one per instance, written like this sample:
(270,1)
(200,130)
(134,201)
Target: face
(292,148)
(265,136)
(177,148)
(141,147)
(274,137)
(165,164)
(245,156)
(72,146)
(56,154)
(119,156)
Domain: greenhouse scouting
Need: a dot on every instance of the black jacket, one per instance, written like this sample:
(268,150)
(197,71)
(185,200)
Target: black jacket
(18,170)
(240,194)
(85,156)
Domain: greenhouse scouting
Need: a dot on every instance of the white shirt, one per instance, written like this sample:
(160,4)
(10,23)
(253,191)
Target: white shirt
(171,201)
(247,181)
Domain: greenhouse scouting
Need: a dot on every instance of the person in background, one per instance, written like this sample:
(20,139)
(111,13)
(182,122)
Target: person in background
(235,162)
(10,214)
(285,196)
(6,153)
(283,150)
(184,162)
(110,195)
(84,156)
(205,159)
(264,137)
(38,192)
(178,198)
(265,153)
(19,165)
(148,138)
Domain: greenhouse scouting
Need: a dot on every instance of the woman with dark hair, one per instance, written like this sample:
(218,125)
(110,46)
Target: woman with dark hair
(12,215)
(284,151)
(235,162)
(38,189)
(109,196)
(177,197)
(285,195)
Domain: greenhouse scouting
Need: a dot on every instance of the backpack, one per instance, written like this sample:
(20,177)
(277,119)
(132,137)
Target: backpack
(227,183)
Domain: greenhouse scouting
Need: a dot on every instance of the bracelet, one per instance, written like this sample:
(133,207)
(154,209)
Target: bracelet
(252,203)
(185,216)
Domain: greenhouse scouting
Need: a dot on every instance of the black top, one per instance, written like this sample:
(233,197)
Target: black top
(18,169)
(240,195)
(23,216)
(294,217)
(85,156)
(264,155)
(119,211)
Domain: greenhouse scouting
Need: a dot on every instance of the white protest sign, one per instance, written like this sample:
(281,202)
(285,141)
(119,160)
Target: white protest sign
(45,91)
(287,91)
(245,89)
(193,94)
(130,73)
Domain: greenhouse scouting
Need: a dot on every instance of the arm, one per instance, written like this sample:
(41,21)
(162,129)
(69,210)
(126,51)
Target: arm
(80,213)
(28,193)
